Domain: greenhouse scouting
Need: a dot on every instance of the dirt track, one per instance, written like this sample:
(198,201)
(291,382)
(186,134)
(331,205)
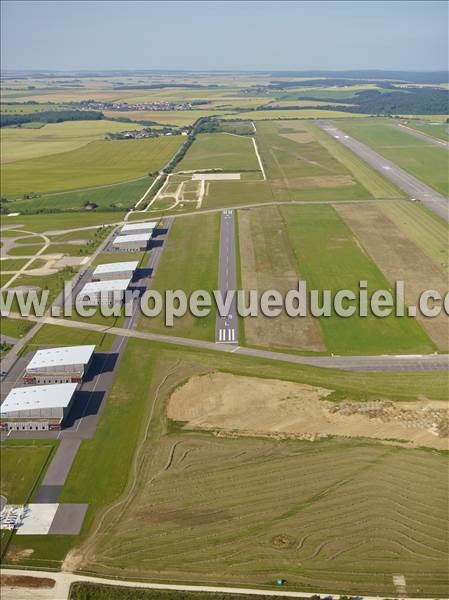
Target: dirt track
(252,406)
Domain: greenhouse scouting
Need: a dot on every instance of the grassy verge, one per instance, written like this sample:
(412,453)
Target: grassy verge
(189,262)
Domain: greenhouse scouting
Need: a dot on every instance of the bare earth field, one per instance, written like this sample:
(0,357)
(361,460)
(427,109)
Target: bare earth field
(399,259)
(267,262)
(252,406)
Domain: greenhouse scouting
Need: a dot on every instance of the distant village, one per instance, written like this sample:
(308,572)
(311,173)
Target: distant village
(125,106)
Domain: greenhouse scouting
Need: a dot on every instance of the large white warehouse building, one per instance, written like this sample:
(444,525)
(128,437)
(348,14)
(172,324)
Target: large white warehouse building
(59,365)
(136,242)
(40,407)
(132,228)
(104,293)
(119,270)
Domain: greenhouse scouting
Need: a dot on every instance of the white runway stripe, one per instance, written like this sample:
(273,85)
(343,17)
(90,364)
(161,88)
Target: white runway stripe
(227,335)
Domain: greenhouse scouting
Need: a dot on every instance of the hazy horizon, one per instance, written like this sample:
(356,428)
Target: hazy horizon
(224,36)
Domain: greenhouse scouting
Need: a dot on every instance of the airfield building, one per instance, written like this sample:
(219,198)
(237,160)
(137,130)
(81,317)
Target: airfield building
(59,365)
(133,228)
(37,408)
(104,293)
(136,242)
(121,270)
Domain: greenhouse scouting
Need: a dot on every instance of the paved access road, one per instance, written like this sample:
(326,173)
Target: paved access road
(65,579)
(384,362)
(436,202)
(226,329)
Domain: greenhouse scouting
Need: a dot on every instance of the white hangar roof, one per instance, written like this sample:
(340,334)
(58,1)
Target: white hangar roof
(34,397)
(132,227)
(110,285)
(136,237)
(116,267)
(57,357)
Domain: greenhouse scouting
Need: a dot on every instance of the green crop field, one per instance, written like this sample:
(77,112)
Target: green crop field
(97,163)
(299,167)
(22,143)
(189,262)
(22,463)
(220,151)
(424,160)
(119,196)
(338,263)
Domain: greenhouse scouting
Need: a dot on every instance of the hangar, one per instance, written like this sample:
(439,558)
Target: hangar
(132,228)
(59,365)
(120,270)
(104,293)
(136,242)
(37,407)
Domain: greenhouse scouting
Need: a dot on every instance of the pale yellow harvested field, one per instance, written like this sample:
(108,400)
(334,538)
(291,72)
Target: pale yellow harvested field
(267,263)
(253,406)
(399,259)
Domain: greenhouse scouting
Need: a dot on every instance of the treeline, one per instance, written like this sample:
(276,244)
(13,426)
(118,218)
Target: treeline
(430,77)
(421,101)
(50,116)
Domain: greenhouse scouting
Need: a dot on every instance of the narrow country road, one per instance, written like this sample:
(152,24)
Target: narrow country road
(65,579)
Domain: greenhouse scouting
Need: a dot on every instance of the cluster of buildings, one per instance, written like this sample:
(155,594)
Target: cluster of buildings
(110,281)
(125,106)
(51,380)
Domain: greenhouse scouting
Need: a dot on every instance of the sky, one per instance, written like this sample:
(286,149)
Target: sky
(102,35)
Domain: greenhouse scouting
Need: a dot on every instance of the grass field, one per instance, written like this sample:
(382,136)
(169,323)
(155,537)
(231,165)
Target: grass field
(120,196)
(12,264)
(435,129)
(22,464)
(299,167)
(60,221)
(15,328)
(189,262)
(137,392)
(98,163)
(422,227)
(248,511)
(54,138)
(220,151)
(268,263)
(305,113)
(338,263)
(202,503)
(424,160)
(399,259)
(55,335)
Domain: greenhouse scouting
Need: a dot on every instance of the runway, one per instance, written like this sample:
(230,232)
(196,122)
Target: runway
(416,189)
(226,329)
